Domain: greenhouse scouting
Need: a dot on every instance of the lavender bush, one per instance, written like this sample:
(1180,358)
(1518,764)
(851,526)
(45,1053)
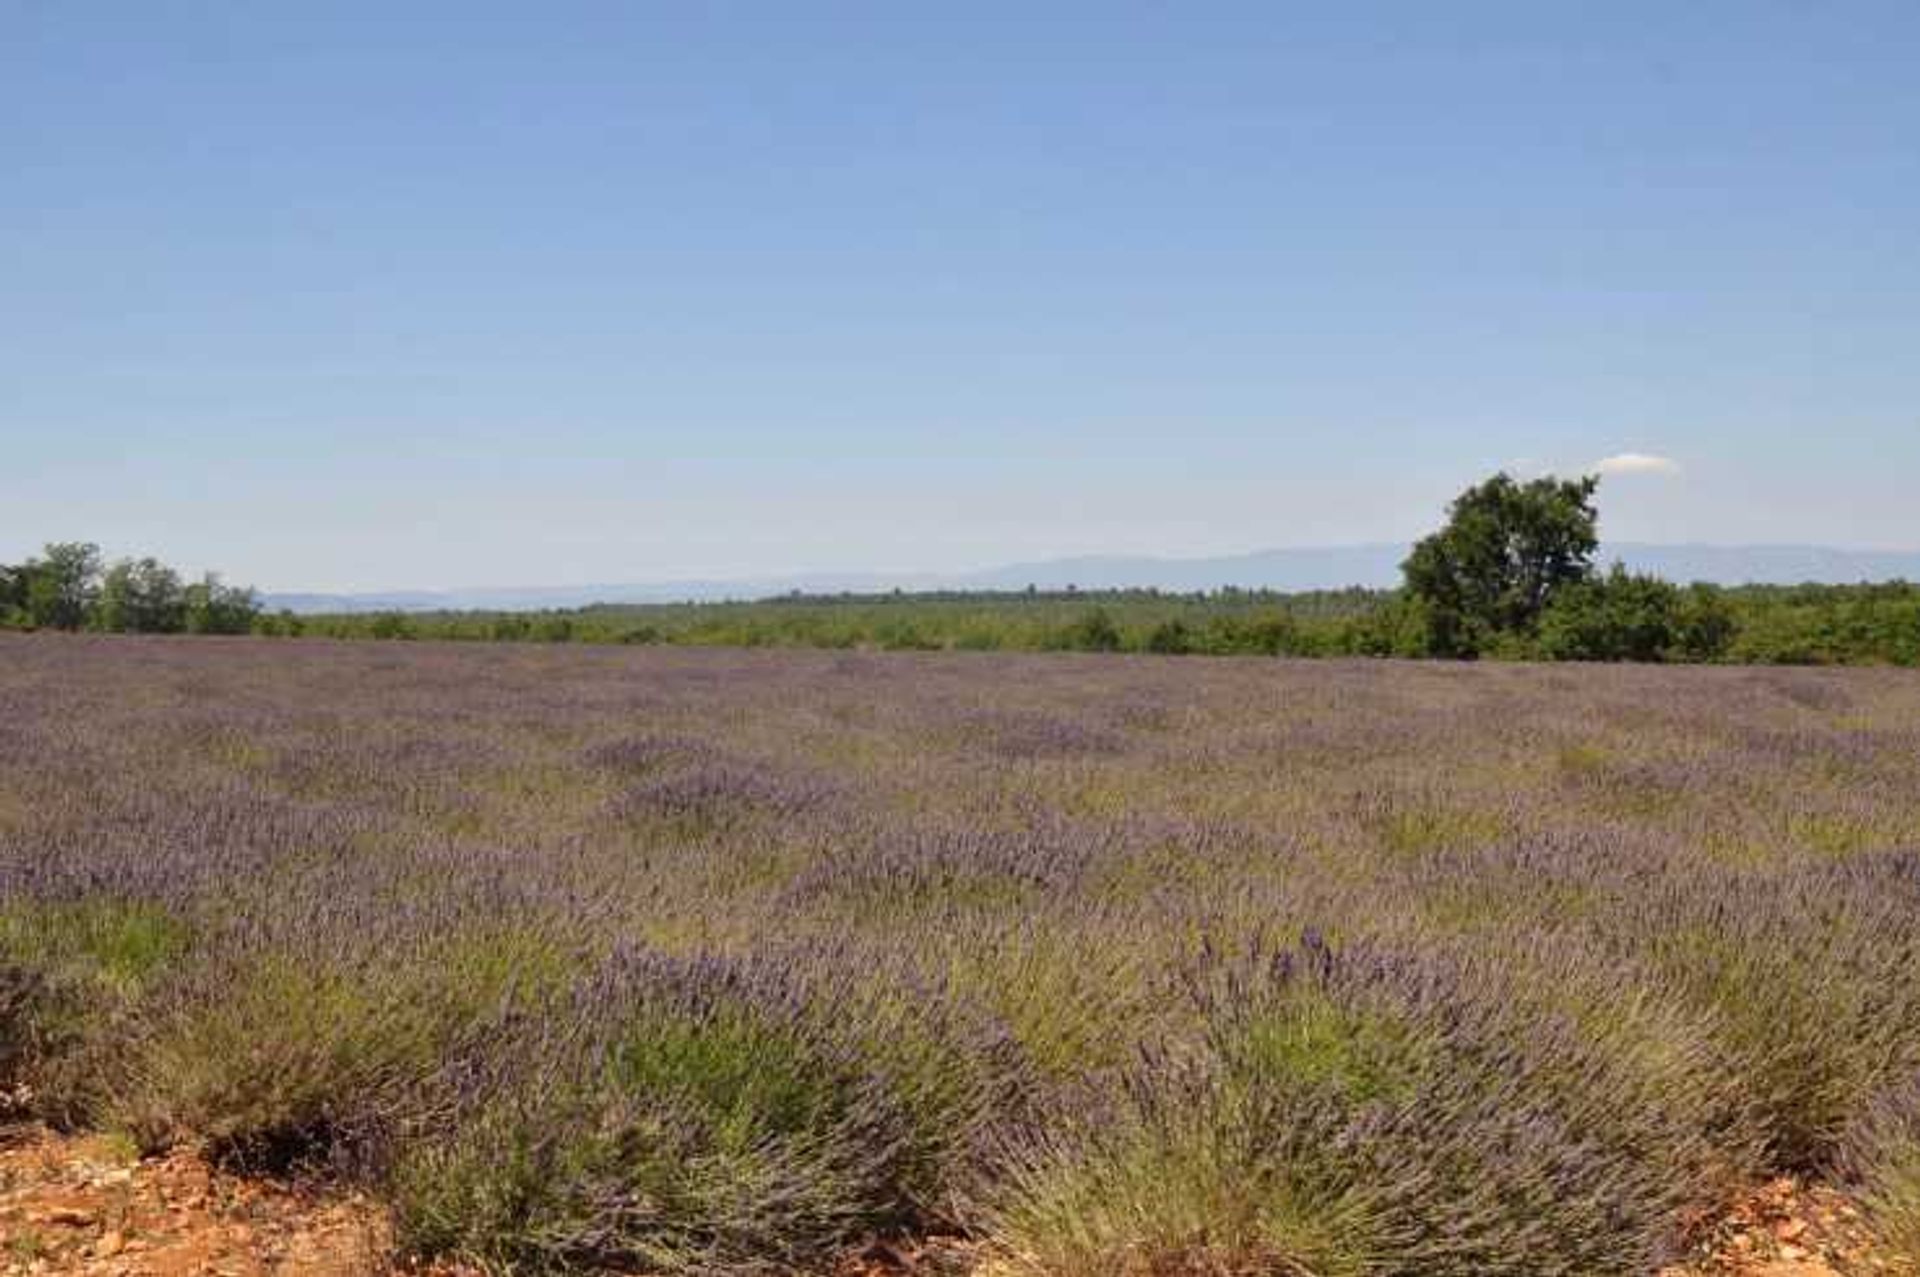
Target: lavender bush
(1884,1156)
(713,961)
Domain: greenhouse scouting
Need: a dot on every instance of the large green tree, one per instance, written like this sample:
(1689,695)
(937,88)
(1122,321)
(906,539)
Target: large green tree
(1508,547)
(212,607)
(61,585)
(142,596)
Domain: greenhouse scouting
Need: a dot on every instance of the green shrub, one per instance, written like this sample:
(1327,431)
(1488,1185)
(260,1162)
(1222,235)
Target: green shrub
(276,1057)
(1884,1157)
(1094,631)
(274,1064)
(697,1116)
(1814,1015)
(1380,1116)
(70,973)
(1170,638)
(390,625)
(1205,1180)
(1617,617)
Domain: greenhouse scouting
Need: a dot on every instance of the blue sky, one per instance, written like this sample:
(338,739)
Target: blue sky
(356,296)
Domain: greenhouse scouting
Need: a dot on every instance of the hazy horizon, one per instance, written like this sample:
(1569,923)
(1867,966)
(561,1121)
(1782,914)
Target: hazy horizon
(1310,568)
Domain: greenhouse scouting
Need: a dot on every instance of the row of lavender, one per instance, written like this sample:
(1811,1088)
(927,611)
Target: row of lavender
(710,961)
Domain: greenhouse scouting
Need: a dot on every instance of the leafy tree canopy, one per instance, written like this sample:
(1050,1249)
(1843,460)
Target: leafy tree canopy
(1505,551)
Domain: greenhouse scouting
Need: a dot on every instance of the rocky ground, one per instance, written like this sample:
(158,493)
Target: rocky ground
(1786,1228)
(88,1206)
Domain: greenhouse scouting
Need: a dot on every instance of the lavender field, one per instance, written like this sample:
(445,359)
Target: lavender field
(713,961)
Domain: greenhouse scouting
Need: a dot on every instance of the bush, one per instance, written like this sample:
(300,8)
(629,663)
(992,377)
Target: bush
(1396,627)
(1618,617)
(1186,1176)
(1093,632)
(1704,624)
(1369,1114)
(274,1065)
(698,1116)
(1170,638)
(390,625)
(1812,986)
(278,1054)
(20,1000)
(1272,634)
(1884,1156)
(70,974)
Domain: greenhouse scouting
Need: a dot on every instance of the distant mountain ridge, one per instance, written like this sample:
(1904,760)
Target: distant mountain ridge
(1305,568)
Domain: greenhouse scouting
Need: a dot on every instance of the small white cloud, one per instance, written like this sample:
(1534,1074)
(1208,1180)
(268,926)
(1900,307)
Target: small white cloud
(1637,463)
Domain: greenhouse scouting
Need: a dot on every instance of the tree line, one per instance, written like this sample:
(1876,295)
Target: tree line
(1798,625)
(69,586)
(1511,575)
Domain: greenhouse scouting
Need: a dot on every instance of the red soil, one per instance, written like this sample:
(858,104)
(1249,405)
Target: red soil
(85,1206)
(1787,1228)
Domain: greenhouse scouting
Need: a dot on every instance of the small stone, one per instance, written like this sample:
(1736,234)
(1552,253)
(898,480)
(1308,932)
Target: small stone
(110,1244)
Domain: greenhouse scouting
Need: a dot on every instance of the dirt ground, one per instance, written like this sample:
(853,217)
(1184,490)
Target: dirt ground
(88,1206)
(1789,1229)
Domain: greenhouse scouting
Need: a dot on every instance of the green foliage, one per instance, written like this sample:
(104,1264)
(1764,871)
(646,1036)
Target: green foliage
(1270,633)
(1203,1183)
(58,589)
(1093,632)
(1399,627)
(69,973)
(118,944)
(213,607)
(1749,624)
(141,597)
(13,595)
(1625,616)
(1508,578)
(68,588)
(735,1131)
(1826,625)
(1330,1115)
(281,624)
(1884,1157)
(390,625)
(1312,1041)
(1506,550)
(270,1062)
(1170,638)
(283,1057)
(1703,624)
